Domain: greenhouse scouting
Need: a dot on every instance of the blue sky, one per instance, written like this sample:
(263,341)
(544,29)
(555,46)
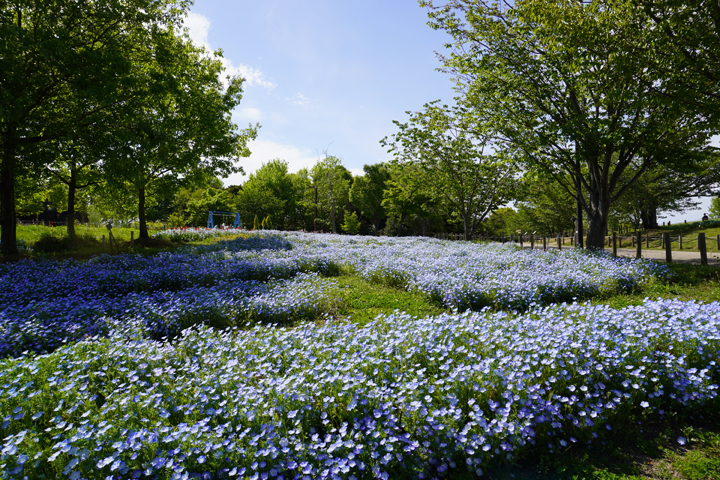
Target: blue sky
(323,75)
(327,75)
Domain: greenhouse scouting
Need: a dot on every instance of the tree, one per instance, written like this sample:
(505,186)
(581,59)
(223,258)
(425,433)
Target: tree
(687,39)
(367,192)
(572,90)
(714,212)
(407,194)
(448,149)
(63,65)
(271,191)
(333,182)
(183,124)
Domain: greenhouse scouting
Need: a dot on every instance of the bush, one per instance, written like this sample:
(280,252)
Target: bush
(49,243)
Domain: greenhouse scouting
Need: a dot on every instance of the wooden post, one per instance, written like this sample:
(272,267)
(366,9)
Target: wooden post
(614,243)
(559,240)
(717,240)
(638,253)
(544,242)
(703,248)
(520,236)
(668,249)
(680,241)
(647,240)
(662,241)
(532,241)
(633,241)
(132,237)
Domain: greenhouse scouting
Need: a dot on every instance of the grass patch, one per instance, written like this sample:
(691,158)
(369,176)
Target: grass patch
(363,301)
(685,282)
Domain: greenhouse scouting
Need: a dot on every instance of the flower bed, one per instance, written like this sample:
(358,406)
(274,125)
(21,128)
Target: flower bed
(398,398)
(46,303)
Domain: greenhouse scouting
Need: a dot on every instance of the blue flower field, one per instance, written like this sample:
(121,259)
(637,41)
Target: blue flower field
(225,361)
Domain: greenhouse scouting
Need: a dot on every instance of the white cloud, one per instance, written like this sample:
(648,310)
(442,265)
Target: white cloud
(263,151)
(248,114)
(357,172)
(198,28)
(300,99)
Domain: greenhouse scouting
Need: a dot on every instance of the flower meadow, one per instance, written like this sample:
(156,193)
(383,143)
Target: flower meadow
(203,363)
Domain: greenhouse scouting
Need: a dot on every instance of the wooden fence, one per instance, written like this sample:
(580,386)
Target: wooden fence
(637,241)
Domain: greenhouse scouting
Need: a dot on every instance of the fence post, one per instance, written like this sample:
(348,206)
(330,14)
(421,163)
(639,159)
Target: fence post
(532,241)
(680,241)
(633,240)
(703,248)
(717,240)
(638,252)
(647,240)
(614,243)
(668,247)
(132,237)
(544,242)
(559,243)
(520,236)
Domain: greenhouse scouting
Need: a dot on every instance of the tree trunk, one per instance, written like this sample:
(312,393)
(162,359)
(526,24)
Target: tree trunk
(400,225)
(579,211)
(466,228)
(597,215)
(72,186)
(141,214)
(8,239)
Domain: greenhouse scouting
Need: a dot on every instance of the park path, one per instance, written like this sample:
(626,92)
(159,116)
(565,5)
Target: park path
(659,255)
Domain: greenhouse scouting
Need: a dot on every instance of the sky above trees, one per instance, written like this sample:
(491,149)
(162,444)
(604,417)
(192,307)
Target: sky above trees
(323,75)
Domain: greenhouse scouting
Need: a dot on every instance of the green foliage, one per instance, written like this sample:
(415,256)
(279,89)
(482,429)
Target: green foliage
(176,220)
(266,223)
(351,224)
(446,145)
(502,222)
(714,212)
(333,182)
(204,201)
(577,114)
(256,223)
(271,190)
(367,192)
(49,243)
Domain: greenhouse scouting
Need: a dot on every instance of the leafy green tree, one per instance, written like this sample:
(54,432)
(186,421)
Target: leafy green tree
(572,89)
(63,67)
(714,212)
(351,224)
(501,222)
(205,201)
(272,191)
(447,148)
(367,193)
(333,182)
(183,123)
(407,195)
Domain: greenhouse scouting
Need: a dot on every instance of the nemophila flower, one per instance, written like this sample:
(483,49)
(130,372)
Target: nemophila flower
(398,394)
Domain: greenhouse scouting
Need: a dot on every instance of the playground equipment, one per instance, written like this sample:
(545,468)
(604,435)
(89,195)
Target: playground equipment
(223,216)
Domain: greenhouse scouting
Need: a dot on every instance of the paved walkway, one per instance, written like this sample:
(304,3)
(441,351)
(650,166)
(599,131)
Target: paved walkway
(678,256)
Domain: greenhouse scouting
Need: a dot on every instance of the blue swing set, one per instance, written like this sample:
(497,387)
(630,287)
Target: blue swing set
(211,218)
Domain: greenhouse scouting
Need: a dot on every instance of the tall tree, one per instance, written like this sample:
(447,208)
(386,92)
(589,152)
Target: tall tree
(333,182)
(572,89)
(62,65)
(367,192)
(183,123)
(448,146)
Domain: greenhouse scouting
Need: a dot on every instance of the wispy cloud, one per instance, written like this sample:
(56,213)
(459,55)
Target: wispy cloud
(198,28)
(263,151)
(300,99)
